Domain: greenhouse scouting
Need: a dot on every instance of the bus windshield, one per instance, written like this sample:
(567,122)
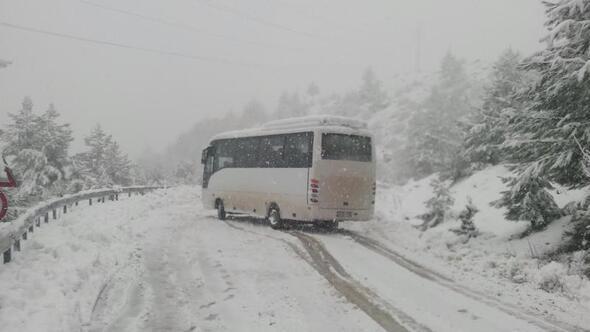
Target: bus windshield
(346,147)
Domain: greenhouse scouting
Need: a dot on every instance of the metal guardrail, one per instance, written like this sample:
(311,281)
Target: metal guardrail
(13,233)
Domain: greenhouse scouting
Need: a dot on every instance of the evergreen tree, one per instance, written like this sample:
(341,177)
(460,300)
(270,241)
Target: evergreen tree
(187,173)
(371,93)
(438,205)
(435,133)
(467,228)
(291,105)
(254,113)
(363,102)
(528,199)
(103,164)
(38,148)
(487,130)
(55,138)
(545,135)
(313,90)
(21,132)
(117,165)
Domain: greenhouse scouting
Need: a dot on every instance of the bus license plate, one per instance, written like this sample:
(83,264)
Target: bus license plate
(343,214)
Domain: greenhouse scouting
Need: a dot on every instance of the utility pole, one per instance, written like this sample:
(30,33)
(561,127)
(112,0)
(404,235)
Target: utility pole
(418,51)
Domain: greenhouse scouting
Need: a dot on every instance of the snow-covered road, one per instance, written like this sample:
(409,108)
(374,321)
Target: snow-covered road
(162,263)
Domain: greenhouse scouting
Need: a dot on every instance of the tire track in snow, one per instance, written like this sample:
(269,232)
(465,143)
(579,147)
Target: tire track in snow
(368,301)
(442,280)
(329,268)
(120,299)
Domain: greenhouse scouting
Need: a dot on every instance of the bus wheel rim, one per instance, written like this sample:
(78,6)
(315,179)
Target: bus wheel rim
(273,218)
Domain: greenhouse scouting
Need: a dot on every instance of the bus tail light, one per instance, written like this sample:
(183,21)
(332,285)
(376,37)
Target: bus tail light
(314,196)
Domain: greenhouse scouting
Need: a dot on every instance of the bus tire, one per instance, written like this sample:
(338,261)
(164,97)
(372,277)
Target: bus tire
(329,225)
(274,218)
(220,210)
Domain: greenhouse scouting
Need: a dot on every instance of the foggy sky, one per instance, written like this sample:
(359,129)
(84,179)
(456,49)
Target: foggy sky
(255,49)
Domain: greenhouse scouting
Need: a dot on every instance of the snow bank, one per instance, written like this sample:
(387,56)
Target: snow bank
(64,265)
(497,263)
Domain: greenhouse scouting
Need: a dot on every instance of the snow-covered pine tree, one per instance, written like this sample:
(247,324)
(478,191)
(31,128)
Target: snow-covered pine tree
(254,113)
(528,199)
(21,131)
(435,135)
(438,205)
(557,115)
(117,164)
(37,146)
(313,90)
(467,228)
(369,98)
(291,105)
(371,93)
(89,164)
(487,127)
(56,138)
(544,136)
(103,164)
(187,173)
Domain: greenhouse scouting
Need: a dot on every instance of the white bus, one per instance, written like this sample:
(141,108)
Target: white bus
(317,169)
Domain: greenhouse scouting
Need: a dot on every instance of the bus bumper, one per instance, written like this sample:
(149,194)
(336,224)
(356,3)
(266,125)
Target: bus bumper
(341,215)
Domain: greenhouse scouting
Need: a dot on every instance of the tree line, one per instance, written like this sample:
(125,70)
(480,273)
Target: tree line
(530,113)
(37,147)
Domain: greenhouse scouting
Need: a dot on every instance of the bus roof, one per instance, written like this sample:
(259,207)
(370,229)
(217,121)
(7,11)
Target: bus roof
(328,122)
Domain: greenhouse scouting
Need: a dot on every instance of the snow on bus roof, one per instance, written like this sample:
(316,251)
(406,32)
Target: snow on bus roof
(317,121)
(337,123)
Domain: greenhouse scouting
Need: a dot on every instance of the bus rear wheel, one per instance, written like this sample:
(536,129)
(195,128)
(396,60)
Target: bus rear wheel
(329,225)
(274,218)
(220,210)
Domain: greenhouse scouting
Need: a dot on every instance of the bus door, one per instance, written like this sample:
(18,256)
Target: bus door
(208,161)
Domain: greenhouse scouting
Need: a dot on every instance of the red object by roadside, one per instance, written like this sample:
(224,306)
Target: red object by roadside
(11,183)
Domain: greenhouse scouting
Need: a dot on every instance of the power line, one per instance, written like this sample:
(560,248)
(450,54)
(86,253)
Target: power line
(349,26)
(258,20)
(181,25)
(126,46)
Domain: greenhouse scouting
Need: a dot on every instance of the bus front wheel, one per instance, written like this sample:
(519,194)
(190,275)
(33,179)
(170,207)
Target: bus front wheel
(220,210)
(274,218)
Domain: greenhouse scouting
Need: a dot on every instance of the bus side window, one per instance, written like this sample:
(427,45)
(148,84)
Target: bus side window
(272,151)
(247,153)
(224,156)
(298,150)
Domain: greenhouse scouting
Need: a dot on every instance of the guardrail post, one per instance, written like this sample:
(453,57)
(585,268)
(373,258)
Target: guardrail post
(103,199)
(90,201)
(7,256)
(65,209)
(38,221)
(46,217)
(54,214)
